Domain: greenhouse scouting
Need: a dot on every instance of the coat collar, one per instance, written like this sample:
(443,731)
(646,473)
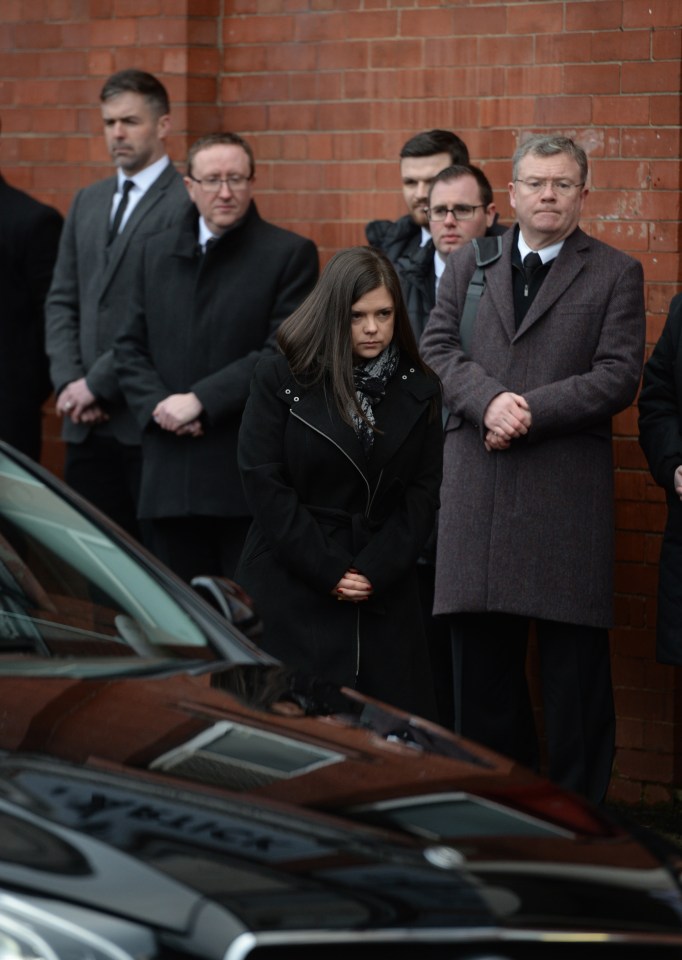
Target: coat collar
(408,393)
(188,235)
(569,263)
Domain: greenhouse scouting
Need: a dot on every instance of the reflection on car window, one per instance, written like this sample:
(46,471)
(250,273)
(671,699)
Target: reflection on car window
(67,589)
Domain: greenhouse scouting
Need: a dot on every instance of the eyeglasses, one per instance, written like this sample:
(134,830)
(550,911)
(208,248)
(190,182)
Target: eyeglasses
(563,187)
(235,182)
(461,211)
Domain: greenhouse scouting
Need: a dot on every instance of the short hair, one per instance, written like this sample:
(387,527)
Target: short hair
(138,81)
(220,139)
(316,338)
(549,145)
(461,170)
(428,142)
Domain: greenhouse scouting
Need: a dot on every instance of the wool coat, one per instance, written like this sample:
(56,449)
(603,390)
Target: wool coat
(29,237)
(90,294)
(660,434)
(529,530)
(320,507)
(200,323)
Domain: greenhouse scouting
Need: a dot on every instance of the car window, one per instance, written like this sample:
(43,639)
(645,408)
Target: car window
(67,589)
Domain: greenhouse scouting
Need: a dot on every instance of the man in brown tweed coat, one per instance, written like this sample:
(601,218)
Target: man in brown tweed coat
(526,524)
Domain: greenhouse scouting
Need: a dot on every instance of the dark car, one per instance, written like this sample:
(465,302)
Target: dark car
(137,716)
(95,865)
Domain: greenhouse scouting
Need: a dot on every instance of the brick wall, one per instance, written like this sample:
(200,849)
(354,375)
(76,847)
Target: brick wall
(327,91)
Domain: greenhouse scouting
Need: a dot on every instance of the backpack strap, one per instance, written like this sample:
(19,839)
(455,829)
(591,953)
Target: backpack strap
(488,250)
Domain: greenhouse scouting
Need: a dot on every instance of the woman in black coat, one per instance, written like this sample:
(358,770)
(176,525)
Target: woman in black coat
(660,434)
(340,452)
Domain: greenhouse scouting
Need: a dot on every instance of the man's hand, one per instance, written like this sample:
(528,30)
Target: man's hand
(507,418)
(79,403)
(677,480)
(177,412)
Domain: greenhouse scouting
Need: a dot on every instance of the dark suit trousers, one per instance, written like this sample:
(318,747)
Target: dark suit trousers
(493,704)
(107,473)
(198,546)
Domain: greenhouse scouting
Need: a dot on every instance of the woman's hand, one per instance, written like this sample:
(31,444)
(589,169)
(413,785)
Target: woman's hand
(353,586)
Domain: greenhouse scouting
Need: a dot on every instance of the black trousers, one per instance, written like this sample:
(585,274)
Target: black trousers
(197,546)
(107,473)
(493,705)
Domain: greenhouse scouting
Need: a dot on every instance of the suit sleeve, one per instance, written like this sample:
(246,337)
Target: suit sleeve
(37,270)
(225,392)
(291,531)
(394,549)
(660,424)
(467,388)
(62,313)
(142,386)
(587,399)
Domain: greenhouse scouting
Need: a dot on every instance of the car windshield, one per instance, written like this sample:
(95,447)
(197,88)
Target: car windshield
(67,589)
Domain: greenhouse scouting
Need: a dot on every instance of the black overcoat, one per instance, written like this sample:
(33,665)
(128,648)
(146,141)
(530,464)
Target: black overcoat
(320,507)
(660,434)
(200,323)
(29,237)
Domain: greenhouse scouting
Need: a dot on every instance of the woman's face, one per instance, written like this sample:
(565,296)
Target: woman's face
(372,320)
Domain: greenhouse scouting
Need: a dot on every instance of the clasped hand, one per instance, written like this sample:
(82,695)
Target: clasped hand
(179,413)
(353,586)
(506,418)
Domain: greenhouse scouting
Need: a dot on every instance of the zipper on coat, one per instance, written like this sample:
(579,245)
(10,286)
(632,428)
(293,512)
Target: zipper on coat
(370,501)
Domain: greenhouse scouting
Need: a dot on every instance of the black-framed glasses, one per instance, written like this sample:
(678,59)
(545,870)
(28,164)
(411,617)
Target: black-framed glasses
(235,182)
(460,211)
(563,187)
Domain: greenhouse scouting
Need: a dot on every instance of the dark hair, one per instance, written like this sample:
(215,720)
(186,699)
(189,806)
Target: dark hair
(428,142)
(316,338)
(461,170)
(218,139)
(138,81)
(549,145)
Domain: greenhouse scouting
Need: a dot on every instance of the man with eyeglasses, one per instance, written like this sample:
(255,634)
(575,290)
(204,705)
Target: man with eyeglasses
(89,296)
(208,297)
(526,526)
(460,207)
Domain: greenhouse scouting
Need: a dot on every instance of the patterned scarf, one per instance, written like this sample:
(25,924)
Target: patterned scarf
(371,377)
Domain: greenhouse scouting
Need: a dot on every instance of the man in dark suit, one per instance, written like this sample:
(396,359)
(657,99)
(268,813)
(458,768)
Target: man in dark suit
(209,295)
(29,236)
(526,523)
(90,292)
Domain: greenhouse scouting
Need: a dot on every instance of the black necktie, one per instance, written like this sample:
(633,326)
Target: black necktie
(120,210)
(531,262)
(211,242)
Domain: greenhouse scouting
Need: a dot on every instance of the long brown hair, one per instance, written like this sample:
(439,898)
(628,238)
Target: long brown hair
(316,338)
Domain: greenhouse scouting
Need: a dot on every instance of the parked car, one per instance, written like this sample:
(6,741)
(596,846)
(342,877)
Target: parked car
(139,727)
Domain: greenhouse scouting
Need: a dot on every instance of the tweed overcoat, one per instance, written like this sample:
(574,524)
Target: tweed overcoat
(201,323)
(90,294)
(29,237)
(320,506)
(529,530)
(660,434)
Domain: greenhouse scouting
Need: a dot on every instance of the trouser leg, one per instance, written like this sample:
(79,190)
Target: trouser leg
(575,669)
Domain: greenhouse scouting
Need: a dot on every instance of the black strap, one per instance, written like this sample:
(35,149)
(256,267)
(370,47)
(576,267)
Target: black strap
(488,250)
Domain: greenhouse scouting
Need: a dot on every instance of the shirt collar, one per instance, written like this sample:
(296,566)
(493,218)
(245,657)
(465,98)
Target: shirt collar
(145,178)
(204,233)
(546,254)
(425,237)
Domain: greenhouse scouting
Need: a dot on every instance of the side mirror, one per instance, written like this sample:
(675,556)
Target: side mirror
(228,598)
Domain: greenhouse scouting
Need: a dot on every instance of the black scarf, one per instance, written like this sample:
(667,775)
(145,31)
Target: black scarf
(371,377)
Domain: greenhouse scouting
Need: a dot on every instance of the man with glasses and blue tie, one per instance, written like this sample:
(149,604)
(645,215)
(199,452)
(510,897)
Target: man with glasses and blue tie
(526,525)
(208,297)
(90,291)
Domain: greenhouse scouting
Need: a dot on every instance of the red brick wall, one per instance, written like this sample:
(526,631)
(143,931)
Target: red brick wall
(327,91)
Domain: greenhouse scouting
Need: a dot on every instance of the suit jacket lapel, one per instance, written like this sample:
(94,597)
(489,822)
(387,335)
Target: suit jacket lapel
(568,265)
(118,247)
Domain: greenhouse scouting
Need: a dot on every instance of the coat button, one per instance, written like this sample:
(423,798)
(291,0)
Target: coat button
(411,369)
(287,391)
(404,376)
(296,398)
